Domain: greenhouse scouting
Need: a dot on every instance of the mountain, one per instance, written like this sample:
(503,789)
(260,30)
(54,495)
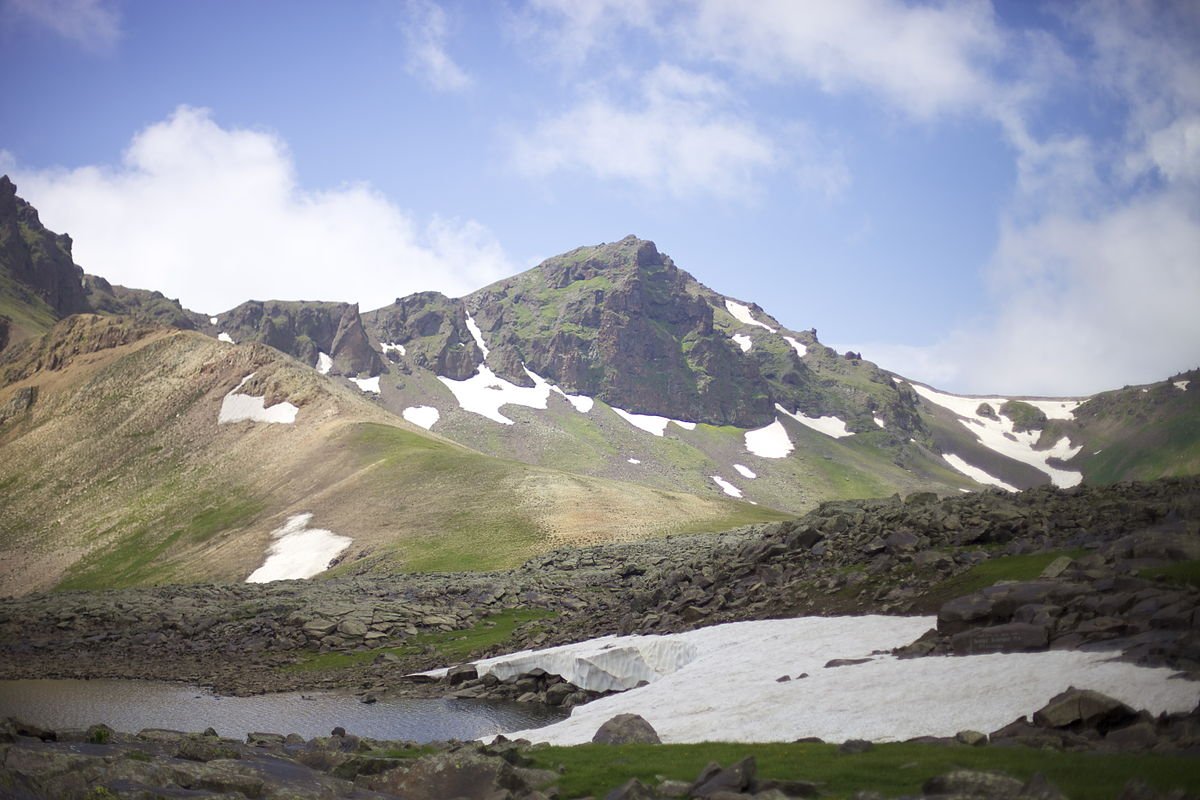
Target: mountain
(602,395)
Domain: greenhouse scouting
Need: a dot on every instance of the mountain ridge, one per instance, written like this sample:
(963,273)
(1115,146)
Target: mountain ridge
(614,395)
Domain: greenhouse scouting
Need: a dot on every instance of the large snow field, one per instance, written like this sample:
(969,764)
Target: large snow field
(799,347)
(299,551)
(477,335)
(485,393)
(769,442)
(225,337)
(243,407)
(743,341)
(998,434)
(721,683)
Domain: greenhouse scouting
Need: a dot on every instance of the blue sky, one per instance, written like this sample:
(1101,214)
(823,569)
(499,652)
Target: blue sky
(990,198)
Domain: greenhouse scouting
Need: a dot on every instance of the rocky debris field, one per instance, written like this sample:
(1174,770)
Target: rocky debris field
(1045,568)
(100,763)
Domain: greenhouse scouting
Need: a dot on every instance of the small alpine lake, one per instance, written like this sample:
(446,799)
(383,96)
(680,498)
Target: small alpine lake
(132,705)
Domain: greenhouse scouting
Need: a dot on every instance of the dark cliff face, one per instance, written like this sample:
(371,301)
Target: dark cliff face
(433,329)
(305,329)
(35,259)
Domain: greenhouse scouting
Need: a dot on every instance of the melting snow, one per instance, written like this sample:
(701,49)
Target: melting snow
(742,314)
(477,335)
(212,320)
(798,346)
(367,384)
(745,472)
(975,473)
(299,551)
(324,363)
(690,696)
(634,460)
(879,421)
(1181,385)
(485,392)
(998,434)
(651,423)
(769,442)
(743,341)
(243,407)
(424,416)
(727,487)
(830,426)
(581,403)
(225,337)
(388,347)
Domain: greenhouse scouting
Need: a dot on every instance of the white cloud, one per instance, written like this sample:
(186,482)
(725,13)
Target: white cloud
(675,136)
(922,59)
(215,216)
(93,24)
(1083,304)
(425,32)
(569,30)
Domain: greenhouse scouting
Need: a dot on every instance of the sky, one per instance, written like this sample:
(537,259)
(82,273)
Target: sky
(991,198)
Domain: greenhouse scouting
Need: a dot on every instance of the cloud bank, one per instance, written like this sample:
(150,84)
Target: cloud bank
(215,216)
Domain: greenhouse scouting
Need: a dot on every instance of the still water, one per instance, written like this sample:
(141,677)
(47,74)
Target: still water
(130,706)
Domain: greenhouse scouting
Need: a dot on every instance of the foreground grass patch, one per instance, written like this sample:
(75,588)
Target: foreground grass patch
(1181,572)
(891,769)
(446,647)
(991,572)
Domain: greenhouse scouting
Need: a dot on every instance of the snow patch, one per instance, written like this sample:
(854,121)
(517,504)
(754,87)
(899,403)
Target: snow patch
(1181,385)
(745,472)
(388,347)
(651,423)
(634,460)
(477,335)
(225,337)
(878,421)
(423,416)
(975,473)
(212,320)
(370,385)
(830,426)
(727,487)
(324,363)
(690,697)
(743,341)
(485,392)
(247,408)
(769,442)
(999,436)
(742,314)
(799,347)
(299,551)
(581,403)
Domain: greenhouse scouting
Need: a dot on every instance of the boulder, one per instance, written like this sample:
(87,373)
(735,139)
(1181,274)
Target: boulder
(626,729)
(632,789)
(461,674)
(1015,637)
(713,780)
(1077,709)
(965,783)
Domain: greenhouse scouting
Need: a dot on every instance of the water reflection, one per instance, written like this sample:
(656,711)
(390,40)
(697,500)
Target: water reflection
(130,706)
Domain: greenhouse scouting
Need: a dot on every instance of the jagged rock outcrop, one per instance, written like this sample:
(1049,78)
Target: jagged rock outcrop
(303,330)
(37,274)
(433,329)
